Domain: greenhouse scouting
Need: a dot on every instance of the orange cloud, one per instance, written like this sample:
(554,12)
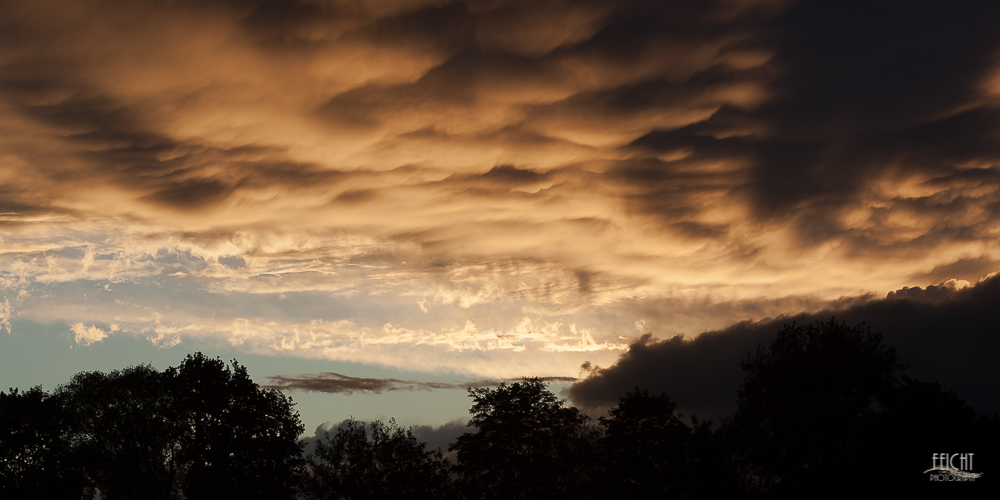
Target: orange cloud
(438,164)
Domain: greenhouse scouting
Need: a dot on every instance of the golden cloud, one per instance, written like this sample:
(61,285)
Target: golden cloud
(469,159)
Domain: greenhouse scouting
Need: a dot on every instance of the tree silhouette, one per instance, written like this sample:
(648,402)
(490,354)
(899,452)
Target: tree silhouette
(388,462)
(36,460)
(821,414)
(805,404)
(526,444)
(644,448)
(126,428)
(201,430)
(918,420)
(240,440)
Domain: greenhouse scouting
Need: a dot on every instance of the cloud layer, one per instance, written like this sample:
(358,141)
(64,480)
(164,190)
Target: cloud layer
(410,182)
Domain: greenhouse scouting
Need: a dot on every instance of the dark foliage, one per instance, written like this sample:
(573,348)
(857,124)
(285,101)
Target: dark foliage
(805,402)
(36,460)
(644,448)
(920,419)
(387,462)
(647,451)
(822,413)
(125,427)
(201,430)
(526,444)
(241,441)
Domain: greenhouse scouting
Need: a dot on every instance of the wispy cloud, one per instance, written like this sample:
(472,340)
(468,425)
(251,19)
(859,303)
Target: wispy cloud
(343,384)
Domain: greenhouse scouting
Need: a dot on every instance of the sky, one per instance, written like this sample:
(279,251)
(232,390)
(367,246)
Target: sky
(374,204)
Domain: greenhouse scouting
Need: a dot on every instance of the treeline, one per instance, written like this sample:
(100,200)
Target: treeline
(199,430)
(823,412)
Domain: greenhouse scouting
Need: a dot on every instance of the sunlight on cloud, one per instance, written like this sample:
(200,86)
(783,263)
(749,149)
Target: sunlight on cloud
(503,179)
(87,335)
(5,315)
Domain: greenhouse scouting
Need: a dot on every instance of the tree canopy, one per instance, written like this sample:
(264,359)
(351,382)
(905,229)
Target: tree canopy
(806,400)
(644,448)
(526,444)
(376,460)
(240,440)
(200,430)
(36,457)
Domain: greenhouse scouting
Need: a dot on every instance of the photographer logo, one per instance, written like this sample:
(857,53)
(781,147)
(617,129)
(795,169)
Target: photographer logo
(944,467)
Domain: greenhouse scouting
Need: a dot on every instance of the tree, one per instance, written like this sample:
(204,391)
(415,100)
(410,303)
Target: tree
(201,430)
(36,460)
(388,462)
(918,420)
(240,440)
(644,448)
(805,403)
(126,429)
(526,444)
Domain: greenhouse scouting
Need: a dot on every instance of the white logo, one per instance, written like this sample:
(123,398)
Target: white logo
(944,465)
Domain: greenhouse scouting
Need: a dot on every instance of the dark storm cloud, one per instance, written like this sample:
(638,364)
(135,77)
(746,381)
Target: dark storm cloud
(433,437)
(634,50)
(119,149)
(15,202)
(865,83)
(191,193)
(512,175)
(441,436)
(811,100)
(457,83)
(294,26)
(336,383)
(945,335)
(856,92)
(673,191)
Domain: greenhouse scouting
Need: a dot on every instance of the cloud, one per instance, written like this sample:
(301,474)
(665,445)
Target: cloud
(630,143)
(435,165)
(336,383)
(946,334)
(439,437)
(87,335)
(434,437)
(5,315)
